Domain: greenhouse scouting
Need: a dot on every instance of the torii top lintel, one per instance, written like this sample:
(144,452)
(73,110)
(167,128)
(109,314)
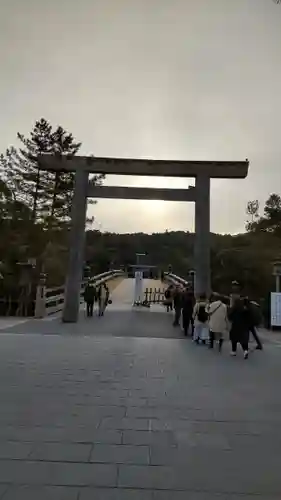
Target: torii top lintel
(147,167)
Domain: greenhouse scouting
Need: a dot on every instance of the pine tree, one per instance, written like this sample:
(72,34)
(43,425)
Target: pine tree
(35,205)
(48,195)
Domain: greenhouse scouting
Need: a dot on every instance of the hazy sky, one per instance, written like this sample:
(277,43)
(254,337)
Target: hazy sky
(166,79)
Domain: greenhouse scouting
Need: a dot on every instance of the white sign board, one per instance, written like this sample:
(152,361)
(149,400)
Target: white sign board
(138,287)
(275,309)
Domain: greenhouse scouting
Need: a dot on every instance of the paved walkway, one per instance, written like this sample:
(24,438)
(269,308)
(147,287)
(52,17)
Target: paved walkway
(98,417)
(121,319)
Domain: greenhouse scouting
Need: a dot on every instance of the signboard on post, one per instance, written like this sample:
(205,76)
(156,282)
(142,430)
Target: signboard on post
(275,308)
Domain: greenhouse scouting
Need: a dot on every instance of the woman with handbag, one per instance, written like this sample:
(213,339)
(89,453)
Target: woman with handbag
(103,298)
(218,321)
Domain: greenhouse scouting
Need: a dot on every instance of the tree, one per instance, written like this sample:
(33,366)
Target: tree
(10,208)
(21,171)
(5,198)
(272,213)
(253,213)
(47,194)
(50,193)
(14,226)
(35,205)
(270,222)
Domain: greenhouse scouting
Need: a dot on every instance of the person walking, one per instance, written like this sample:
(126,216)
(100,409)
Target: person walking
(218,321)
(240,317)
(187,311)
(235,292)
(256,319)
(169,298)
(200,316)
(103,297)
(177,301)
(89,297)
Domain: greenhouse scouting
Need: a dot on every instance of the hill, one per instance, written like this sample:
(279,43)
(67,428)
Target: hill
(246,257)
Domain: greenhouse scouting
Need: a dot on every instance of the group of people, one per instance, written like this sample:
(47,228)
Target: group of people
(215,319)
(99,295)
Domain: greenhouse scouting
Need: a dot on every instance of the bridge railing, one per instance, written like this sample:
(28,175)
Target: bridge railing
(51,300)
(173,279)
(154,295)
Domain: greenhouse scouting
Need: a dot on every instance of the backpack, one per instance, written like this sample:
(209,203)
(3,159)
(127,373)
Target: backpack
(202,315)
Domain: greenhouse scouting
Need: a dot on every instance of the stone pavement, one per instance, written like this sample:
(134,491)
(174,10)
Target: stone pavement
(118,321)
(86,418)
(124,408)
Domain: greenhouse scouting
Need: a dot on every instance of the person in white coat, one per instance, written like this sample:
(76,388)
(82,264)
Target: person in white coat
(103,297)
(218,321)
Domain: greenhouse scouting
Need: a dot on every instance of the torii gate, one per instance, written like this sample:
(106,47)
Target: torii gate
(203,171)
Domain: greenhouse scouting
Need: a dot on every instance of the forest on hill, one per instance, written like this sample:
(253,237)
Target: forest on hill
(247,258)
(35,211)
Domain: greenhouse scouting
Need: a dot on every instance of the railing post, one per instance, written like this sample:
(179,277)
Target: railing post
(40,301)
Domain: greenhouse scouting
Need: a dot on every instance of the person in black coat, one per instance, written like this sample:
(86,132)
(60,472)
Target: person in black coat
(255,321)
(89,297)
(169,298)
(240,317)
(177,299)
(188,302)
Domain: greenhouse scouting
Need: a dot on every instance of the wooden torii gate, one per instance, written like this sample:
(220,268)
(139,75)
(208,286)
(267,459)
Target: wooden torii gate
(203,171)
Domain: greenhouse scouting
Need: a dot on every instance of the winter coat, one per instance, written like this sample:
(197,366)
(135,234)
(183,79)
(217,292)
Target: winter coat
(89,293)
(218,320)
(103,294)
(196,311)
(187,304)
(241,320)
(177,299)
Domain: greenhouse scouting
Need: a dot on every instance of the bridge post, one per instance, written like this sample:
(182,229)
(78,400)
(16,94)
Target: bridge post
(40,301)
(202,235)
(76,248)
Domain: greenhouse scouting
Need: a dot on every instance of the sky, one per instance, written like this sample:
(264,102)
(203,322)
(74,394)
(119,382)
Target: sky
(163,79)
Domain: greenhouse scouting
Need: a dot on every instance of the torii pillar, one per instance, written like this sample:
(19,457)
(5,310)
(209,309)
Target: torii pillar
(74,275)
(202,244)
(203,171)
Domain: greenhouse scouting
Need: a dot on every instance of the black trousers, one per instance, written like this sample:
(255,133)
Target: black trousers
(169,307)
(187,320)
(212,338)
(244,344)
(177,316)
(253,331)
(90,308)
